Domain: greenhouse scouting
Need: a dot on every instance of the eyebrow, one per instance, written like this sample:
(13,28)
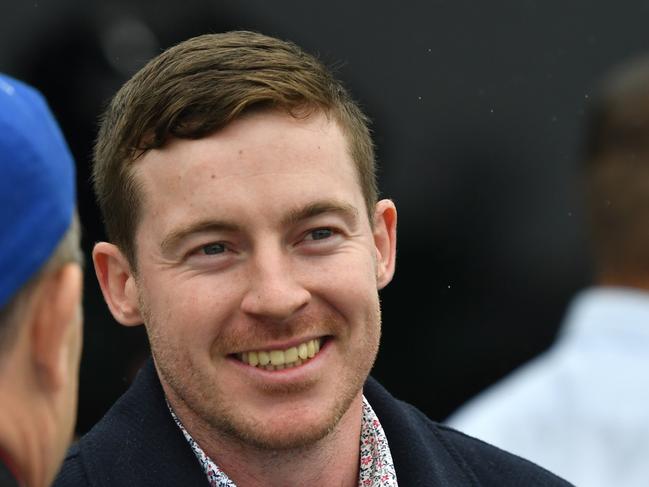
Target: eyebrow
(348,212)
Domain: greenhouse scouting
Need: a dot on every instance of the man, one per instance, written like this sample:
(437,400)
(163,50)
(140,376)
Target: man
(581,409)
(237,182)
(40,290)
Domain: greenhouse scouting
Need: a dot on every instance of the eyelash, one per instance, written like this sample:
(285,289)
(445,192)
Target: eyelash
(213,244)
(330,232)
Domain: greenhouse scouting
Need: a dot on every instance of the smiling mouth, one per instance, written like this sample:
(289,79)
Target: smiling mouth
(282,359)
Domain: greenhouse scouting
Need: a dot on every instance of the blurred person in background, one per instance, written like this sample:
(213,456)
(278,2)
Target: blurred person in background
(236,177)
(40,289)
(581,409)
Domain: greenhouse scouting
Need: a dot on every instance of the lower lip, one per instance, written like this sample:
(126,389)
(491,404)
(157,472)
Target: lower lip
(289,372)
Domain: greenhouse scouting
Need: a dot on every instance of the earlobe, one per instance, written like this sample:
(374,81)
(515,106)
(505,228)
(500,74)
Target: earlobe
(117,283)
(385,240)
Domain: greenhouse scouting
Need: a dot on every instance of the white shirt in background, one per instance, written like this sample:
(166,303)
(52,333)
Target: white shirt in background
(581,409)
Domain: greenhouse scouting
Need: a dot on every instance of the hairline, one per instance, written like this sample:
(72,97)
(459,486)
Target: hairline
(303,112)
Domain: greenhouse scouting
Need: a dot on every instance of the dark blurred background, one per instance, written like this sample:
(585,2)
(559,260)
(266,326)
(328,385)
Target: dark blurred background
(477,110)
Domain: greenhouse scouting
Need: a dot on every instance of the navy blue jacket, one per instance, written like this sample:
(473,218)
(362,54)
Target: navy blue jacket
(137,443)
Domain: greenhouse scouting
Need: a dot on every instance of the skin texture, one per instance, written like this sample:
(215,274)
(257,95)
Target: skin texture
(256,238)
(39,376)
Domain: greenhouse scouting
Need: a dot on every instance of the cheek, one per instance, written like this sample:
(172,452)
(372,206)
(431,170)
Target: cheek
(188,312)
(351,287)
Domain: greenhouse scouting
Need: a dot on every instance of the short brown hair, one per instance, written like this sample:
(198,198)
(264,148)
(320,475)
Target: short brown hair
(616,163)
(199,86)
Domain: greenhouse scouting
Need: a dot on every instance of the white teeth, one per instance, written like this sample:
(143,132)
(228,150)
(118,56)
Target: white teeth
(253,359)
(277,357)
(280,359)
(302,351)
(290,355)
(264,358)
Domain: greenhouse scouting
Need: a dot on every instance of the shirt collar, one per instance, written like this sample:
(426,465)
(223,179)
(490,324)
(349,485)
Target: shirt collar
(376,467)
(611,315)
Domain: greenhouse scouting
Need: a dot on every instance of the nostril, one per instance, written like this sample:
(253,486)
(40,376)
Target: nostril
(275,302)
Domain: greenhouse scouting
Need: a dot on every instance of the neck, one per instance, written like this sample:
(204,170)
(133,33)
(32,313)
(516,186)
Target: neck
(25,428)
(19,444)
(333,460)
(639,282)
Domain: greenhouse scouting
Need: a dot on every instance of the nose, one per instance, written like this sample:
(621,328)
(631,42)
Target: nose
(274,292)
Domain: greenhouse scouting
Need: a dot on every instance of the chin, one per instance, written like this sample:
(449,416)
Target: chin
(290,429)
(283,440)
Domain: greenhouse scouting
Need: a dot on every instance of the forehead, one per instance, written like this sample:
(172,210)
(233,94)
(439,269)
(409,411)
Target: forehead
(259,161)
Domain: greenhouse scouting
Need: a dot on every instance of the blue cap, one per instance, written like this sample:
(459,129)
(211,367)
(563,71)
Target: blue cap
(37,185)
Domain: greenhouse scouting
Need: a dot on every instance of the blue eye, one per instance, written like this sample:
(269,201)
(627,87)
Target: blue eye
(213,249)
(321,233)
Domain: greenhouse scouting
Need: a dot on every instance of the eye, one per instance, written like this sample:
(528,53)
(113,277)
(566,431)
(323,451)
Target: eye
(213,248)
(320,234)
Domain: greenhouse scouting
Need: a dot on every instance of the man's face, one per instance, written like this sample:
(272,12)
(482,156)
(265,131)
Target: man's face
(255,246)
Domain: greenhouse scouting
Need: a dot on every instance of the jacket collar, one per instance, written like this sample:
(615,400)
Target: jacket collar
(139,433)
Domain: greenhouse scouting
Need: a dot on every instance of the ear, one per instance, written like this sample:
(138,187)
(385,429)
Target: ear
(117,282)
(385,240)
(56,326)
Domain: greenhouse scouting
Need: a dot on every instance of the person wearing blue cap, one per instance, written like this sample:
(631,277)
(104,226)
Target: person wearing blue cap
(40,289)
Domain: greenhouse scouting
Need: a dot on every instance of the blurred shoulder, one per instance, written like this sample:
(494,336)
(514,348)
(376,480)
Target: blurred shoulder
(426,452)
(493,466)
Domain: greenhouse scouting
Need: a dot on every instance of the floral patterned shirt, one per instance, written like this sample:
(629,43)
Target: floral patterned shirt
(376,465)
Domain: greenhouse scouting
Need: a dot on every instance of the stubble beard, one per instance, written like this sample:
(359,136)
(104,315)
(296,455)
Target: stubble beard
(207,416)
